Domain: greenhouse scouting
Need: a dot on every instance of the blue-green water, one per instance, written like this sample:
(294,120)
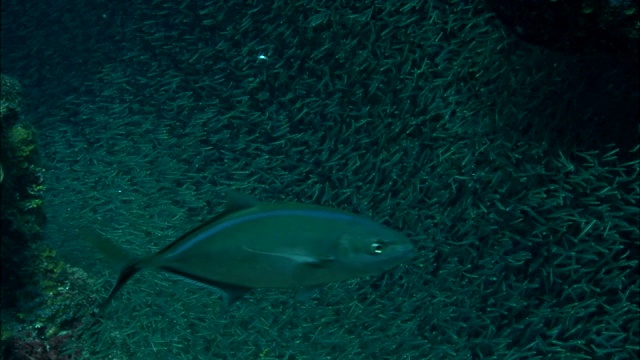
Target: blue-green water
(512,168)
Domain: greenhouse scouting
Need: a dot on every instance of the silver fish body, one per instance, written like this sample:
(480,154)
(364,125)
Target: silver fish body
(276,245)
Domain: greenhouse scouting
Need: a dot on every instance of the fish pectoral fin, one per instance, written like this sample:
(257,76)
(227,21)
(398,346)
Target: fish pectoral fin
(298,258)
(320,262)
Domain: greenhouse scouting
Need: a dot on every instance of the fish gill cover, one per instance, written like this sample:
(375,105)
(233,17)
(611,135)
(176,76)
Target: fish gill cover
(513,170)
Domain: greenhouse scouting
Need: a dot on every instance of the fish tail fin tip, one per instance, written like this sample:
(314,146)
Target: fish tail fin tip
(125,275)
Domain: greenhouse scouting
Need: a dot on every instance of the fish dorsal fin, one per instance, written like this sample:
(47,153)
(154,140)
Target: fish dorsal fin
(237,201)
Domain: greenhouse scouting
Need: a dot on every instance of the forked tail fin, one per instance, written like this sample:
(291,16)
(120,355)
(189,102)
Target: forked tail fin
(116,255)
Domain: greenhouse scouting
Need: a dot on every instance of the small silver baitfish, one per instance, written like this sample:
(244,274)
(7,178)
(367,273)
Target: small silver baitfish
(254,244)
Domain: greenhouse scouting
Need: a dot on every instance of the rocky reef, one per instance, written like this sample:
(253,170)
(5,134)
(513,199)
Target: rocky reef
(43,299)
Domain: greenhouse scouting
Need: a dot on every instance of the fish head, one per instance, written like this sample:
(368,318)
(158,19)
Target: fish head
(374,248)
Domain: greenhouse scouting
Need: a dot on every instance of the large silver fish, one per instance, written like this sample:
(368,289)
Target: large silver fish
(254,244)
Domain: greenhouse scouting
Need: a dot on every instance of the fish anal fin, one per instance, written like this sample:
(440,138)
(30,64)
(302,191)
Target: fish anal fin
(232,293)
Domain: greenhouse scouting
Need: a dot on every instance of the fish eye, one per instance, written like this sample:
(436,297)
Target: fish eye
(377,247)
